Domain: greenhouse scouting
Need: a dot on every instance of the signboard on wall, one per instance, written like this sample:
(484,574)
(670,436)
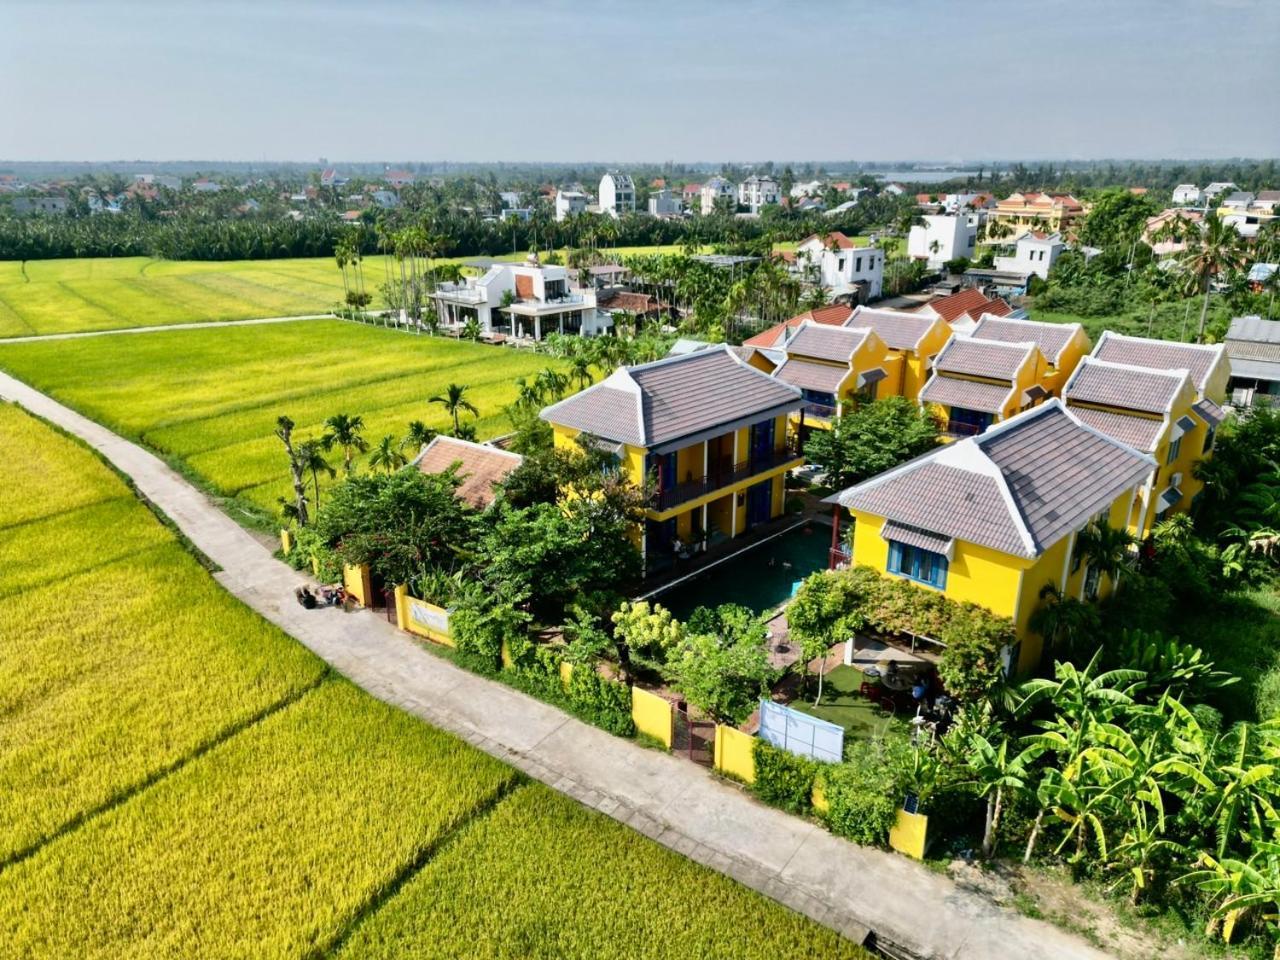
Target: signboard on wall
(429,616)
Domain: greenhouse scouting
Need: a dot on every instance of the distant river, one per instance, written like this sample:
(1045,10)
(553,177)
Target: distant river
(924,176)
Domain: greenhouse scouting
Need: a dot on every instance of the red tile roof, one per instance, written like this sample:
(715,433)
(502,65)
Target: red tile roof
(956,305)
(479,467)
(833,314)
(841,241)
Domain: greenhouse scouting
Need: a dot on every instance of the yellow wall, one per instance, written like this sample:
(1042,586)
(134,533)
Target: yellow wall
(358,584)
(653,716)
(1056,377)
(916,369)
(760,362)
(734,753)
(421,618)
(910,834)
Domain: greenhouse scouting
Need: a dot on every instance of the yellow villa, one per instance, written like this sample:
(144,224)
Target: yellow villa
(994,519)
(1056,213)
(976,383)
(705,431)
(834,368)
(1062,344)
(915,337)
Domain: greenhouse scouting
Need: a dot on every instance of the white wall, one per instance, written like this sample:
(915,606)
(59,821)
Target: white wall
(1032,256)
(956,236)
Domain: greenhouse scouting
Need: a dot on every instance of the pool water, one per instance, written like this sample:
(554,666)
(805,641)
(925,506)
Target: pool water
(759,579)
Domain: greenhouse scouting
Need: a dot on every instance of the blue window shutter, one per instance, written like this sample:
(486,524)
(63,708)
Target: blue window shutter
(940,571)
(895,557)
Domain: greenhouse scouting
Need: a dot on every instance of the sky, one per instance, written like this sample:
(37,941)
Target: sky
(601,81)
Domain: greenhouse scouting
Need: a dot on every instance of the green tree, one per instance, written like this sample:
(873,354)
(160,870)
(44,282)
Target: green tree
(297,470)
(311,458)
(417,436)
(871,439)
(1216,250)
(345,431)
(825,611)
(723,670)
(455,403)
(387,456)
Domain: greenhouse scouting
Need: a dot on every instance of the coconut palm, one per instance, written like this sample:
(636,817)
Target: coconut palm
(387,456)
(311,457)
(343,430)
(417,436)
(580,371)
(553,384)
(1216,249)
(455,403)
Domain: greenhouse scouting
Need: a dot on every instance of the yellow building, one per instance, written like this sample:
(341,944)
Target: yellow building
(1062,344)
(1056,213)
(706,432)
(1157,412)
(994,519)
(835,368)
(976,383)
(1207,363)
(915,337)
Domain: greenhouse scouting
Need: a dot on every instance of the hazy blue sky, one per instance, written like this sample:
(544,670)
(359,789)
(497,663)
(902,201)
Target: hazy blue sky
(656,80)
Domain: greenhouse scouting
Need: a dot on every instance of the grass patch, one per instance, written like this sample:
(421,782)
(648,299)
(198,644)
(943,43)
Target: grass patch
(842,704)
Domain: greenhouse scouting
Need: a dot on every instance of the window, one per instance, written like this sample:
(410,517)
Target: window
(1208,438)
(857,265)
(1092,578)
(1174,449)
(916,563)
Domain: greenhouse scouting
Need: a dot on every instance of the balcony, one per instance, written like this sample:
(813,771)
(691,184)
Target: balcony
(460,293)
(724,474)
(819,411)
(555,304)
(958,428)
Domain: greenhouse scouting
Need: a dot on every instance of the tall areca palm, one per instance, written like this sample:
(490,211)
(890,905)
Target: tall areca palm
(1216,249)
(580,371)
(1107,548)
(455,403)
(417,436)
(387,456)
(343,430)
(311,457)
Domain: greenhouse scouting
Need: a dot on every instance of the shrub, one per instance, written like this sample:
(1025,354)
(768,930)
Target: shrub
(604,703)
(783,779)
(865,792)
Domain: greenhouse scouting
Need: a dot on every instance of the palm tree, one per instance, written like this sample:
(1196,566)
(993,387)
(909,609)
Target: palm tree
(1215,250)
(1107,548)
(418,436)
(455,403)
(284,430)
(387,456)
(552,383)
(311,457)
(343,430)
(580,370)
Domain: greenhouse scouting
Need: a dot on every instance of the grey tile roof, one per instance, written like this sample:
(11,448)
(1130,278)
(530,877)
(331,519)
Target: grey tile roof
(826,342)
(1051,338)
(1253,327)
(897,328)
(1141,433)
(1159,355)
(810,375)
(969,394)
(1210,412)
(661,402)
(915,537)
(1019,488)
(1151,391)
(982,358)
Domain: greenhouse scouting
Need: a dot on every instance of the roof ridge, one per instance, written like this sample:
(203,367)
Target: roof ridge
(485,447)
(1112,335)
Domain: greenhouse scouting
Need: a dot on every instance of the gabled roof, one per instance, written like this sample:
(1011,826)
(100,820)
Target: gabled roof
(833,314)
(1141,433)
(675,401)
(1198,358)
(825,342)
(840,240)
(983,358)
(1019,488)
(479,466)
(966,394)
(1126,386)
(1051,338)
(899,329)
(809,375)
(955,305)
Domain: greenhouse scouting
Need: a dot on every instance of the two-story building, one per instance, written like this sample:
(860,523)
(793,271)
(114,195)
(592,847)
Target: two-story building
(704,431)
(1158,413)
(1187,194)
(1055,213)
(942,238)
(569,203)
(1208,364)
(617,194)
(839,264)
(977,383)
(916,338)
(1034,253)
(963,309)
(835,368)
(1062,344)
(994,519)
(521,299)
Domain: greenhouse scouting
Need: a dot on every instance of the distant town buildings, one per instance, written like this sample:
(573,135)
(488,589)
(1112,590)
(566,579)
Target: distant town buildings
(663,204)
(715,189)
(757,192)
(570,203)
(617,194)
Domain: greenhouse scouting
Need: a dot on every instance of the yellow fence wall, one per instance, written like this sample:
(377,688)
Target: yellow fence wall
(358,584)
(653,716)
(735,753)
(286,542)
(421,618)
(909,834)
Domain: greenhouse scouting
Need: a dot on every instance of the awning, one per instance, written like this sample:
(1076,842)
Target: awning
(1034,393)
(915,537)
(1169,499)
(1182,425)
(1210,412)
(869,377)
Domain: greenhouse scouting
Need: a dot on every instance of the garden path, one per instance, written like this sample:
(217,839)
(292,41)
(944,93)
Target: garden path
(912,911)
(157,328)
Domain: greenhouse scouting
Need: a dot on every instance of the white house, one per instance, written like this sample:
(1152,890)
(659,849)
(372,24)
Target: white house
(386,199)
(1187,193)
(713,190)
(842,266)
(663,204)
(522,299)
(807,189)
(205,185)
(1239,200)
(1033,253)
(757,192)
(1212,191)
(894,189)
(399,178)
(332,178)
(617,194)
(943,238)
(570,203)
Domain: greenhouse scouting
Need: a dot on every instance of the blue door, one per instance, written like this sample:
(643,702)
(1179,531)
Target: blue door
(759,503)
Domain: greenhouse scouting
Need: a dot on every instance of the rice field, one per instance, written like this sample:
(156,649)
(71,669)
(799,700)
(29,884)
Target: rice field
(209,398)
(72,296)
(180,779)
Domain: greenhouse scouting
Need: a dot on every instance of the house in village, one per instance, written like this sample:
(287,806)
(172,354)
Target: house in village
(1033,253)
(834,368)
(706,431)
(978,383)
(963,309)
(994,519)
(1207,363)
(1187,194)
(1253,348)
(757,192)
(479,467)
(943,237)
(717,188)
(839,264)
(1052,213)
(1061,344)
(617,194)
(1166,233)
(569,203)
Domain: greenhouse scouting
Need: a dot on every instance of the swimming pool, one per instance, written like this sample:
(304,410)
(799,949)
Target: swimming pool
(760,578)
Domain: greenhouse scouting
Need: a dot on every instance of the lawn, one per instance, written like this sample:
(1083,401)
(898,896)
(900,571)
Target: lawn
(842,704)
(209,398)
(183,780)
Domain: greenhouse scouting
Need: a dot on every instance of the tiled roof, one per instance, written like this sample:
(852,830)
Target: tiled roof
(826,342)
(479,467)
(1019,488)
(1160,355)
(1051,338)
(1141,433)
(1268,196)
(1254,329)
(1209,412)
(629,301)
(899,329)
(833,314)
(1121,385)
(983,358)
(915,537)
(811,376)
(673,399)
(967,394)
(954,306)
(835,236)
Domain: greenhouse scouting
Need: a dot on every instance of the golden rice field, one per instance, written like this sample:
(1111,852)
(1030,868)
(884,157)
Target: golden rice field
(180,779)
(71,296)
(209,398)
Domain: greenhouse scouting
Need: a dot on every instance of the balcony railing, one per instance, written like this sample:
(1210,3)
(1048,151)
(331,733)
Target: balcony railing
(461,292)
(958,428)
(724,474)
(820,411)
